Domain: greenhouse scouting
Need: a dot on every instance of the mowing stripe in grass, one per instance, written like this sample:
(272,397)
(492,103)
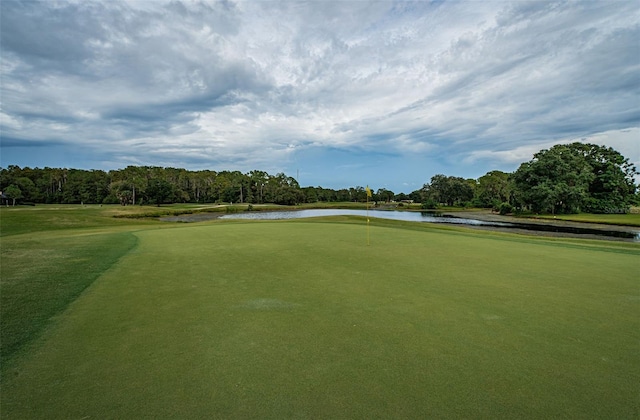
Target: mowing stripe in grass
(282,319)
(586,244)
(41,275)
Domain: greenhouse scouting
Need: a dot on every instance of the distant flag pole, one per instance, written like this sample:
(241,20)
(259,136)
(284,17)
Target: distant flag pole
(368,190)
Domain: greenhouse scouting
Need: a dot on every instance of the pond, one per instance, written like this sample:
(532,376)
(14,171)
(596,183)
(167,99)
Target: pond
(409,216)
(625,234)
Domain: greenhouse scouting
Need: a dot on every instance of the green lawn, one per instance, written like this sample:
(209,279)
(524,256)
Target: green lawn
(42,275)
(629,219)
(301,319)
(63,218)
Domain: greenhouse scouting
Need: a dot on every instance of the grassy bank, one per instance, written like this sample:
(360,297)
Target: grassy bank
(629,219)
(303,319)
(63,218)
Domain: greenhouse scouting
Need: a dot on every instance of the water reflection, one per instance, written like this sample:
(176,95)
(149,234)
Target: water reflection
(382,214)
(432,217)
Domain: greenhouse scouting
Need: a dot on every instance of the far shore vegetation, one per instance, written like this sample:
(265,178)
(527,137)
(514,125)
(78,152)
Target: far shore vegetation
(564,180)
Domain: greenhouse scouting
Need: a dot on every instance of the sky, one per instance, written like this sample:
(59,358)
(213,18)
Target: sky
(335,93)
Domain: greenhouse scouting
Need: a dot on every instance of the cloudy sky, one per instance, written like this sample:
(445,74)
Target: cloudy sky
(338,93)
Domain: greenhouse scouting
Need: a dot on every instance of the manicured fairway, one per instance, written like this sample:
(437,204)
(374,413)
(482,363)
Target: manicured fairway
(301,319)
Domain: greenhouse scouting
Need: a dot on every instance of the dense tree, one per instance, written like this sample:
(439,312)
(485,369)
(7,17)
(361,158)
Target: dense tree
(257,181)
(448,190)
(402,197)
(28,188)
(284,189)
(493,189)
(159,191)
(13,192)
(612,188)
(384,194)
(555,181)
(357,194)
(575,177)
(120,192)
(416,196)
(311,194)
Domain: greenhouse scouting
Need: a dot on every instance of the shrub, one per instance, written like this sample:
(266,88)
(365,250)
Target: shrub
(430,204)
(505,208)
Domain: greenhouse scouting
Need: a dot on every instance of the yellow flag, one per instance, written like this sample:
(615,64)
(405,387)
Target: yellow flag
(368,190)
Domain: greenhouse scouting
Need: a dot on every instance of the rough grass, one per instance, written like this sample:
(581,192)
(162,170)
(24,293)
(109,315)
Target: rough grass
(629,219)
(21,220)
(41,275)
(303,319)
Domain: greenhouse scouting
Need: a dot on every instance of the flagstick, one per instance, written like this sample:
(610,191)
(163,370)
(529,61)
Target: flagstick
(368,242)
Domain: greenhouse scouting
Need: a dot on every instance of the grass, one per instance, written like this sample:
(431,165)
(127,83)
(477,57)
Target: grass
(629,219)
(42,275)
(62,218)
(303,319)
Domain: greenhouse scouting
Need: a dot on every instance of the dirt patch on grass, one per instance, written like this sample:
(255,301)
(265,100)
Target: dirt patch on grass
(268,305)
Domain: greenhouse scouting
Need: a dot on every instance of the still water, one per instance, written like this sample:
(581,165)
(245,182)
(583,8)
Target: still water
(381,214)
(628,235)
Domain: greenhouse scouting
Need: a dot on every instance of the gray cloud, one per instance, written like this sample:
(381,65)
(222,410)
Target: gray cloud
(256,84)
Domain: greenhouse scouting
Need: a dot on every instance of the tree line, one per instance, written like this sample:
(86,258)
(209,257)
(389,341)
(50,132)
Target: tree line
(564,179)
(567,178)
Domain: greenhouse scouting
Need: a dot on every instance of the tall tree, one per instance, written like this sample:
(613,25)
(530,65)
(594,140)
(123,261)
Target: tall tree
(121,192)
(493,188)
(13,192)
(384,194)
(575,177)
(449,190)
(28,188)
(612,188)
(159,191)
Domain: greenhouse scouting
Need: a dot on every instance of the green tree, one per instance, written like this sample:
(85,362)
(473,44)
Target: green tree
(449,190)
(159,191)
(612,188)
(493,189)
(120,192)
(28,188)
(257,181)
(7,176)
(13,192)
(555,181)
(310,195)
(417,196)
(575,177)
(283,189)
(384,194)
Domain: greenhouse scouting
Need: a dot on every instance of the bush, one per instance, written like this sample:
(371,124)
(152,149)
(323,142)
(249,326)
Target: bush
(111,199)
(505,208)
(429,204)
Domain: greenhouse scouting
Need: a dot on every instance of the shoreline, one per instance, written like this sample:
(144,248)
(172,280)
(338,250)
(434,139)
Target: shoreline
(494,217)
(521,226)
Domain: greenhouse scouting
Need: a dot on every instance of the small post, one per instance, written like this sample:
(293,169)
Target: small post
(368,195)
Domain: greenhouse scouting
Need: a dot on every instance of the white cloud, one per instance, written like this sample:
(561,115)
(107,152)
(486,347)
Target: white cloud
(627,142)
(202,83)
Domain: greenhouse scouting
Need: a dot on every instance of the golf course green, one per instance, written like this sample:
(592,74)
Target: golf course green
(126,318)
